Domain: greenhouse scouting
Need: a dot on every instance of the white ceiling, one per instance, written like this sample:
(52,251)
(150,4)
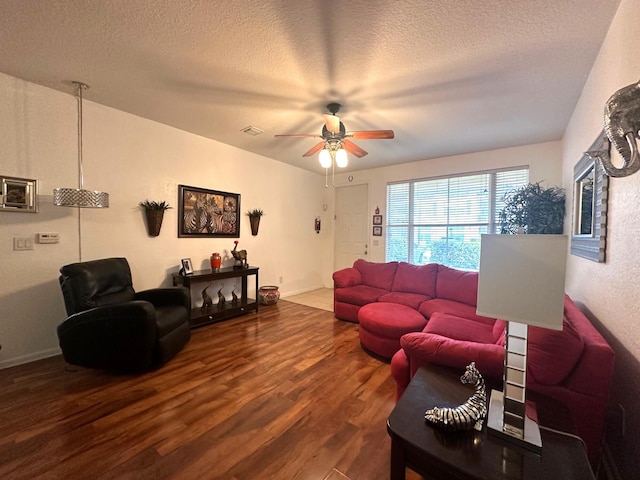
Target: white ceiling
(448,76)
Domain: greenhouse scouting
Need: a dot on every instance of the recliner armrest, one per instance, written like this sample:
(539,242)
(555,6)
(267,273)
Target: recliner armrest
(161,297)
(120,336)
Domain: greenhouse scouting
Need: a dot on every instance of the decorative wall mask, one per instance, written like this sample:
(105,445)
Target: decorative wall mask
(621,123)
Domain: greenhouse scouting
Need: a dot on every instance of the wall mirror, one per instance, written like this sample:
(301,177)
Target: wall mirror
(590,192)
(18,194)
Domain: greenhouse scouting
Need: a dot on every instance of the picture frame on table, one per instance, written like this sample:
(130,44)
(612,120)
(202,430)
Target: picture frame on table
(187,267)
(205,213)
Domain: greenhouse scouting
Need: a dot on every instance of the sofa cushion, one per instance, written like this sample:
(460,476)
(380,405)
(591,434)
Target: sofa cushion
(429,307)
(422,348)
(457,285)
(412,300)
(358,295)
(499,332)
(377,275)
(459,328)
(552,354)
(347,277)
(420,279)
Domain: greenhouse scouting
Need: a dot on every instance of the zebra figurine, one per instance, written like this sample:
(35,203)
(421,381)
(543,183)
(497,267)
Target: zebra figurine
(468,415)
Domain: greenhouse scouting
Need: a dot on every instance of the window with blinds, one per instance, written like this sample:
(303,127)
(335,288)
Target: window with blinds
(440,220)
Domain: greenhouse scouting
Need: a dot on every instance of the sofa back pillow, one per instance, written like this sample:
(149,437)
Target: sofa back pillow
(457,285)
(419,279)
(378,275)
(552,354)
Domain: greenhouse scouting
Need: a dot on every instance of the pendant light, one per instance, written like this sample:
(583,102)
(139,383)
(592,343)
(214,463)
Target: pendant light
(79,197)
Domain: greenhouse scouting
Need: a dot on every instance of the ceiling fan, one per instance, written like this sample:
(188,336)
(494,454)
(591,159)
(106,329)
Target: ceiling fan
(336,138)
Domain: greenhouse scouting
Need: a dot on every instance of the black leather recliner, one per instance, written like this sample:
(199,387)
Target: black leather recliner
(112,327)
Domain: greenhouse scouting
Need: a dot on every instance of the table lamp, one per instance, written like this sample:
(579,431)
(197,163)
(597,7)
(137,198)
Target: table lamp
(521,280)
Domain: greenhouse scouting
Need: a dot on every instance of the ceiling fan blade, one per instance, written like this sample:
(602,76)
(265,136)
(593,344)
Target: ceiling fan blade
(306,135)
(353,148)
(332,123)
(371,135)
(315,149)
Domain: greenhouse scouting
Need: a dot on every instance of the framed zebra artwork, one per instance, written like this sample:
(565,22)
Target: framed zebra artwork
(207,213)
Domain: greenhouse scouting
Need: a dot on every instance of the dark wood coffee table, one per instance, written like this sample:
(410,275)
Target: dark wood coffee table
(440,455)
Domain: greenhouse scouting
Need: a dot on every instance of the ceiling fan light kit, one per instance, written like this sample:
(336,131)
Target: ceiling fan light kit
(335,144)
(325,158)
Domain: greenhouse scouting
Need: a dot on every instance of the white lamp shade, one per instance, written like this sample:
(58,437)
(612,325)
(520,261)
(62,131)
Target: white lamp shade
(341,158)
(325,158)
(522,278)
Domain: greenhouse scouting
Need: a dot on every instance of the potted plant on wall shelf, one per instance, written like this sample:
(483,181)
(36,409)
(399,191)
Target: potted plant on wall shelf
(533,209)
(254,217)
(154,212)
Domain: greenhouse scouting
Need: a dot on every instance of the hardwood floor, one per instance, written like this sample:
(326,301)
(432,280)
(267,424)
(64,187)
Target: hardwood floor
(283,394)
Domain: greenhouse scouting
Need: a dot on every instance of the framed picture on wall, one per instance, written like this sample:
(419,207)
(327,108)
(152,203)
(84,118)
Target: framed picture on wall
(207,213)
(377,231)
(377,219)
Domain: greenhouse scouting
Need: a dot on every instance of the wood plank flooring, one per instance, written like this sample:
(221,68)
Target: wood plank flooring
(283,394)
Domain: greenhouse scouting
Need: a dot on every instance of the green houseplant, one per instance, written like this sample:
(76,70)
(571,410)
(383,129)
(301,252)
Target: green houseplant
(254,218)
(535,209)
(154,211)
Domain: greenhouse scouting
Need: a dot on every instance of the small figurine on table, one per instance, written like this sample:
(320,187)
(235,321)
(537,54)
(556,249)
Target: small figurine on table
(221,299)
(240,256)
(234,297)
(207,301)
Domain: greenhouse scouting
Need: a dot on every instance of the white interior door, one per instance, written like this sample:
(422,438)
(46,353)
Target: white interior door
(351,225)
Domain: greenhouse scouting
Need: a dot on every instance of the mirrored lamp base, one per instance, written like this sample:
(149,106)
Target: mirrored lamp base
(528,438)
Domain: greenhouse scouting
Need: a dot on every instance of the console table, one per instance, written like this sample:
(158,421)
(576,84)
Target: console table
(440,455)
(215,313)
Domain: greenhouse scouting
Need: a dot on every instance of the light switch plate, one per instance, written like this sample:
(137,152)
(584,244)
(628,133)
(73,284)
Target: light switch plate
(22,243)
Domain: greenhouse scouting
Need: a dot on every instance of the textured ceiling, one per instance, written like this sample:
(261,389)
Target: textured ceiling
(448,77)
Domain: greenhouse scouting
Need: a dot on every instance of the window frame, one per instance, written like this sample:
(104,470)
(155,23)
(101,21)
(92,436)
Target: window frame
(492,224)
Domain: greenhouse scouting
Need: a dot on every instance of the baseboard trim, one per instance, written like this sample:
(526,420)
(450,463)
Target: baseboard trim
(32,357)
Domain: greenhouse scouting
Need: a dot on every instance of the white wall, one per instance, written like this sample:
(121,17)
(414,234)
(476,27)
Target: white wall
(610,290)
(135,159)
(543,160)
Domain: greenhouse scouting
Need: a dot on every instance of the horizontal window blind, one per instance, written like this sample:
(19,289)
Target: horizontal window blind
(440,220)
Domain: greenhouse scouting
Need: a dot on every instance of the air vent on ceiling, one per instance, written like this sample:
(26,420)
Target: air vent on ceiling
(254,131)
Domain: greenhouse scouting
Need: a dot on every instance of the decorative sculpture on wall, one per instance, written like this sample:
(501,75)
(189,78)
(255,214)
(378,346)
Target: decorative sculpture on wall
(470,414)
(240,256)
(621,123)
(207,301)
(221,299)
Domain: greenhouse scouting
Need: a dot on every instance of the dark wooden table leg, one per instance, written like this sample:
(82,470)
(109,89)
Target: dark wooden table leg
(398,468)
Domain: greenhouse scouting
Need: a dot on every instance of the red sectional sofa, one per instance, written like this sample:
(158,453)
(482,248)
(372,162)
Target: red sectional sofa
(573,366)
